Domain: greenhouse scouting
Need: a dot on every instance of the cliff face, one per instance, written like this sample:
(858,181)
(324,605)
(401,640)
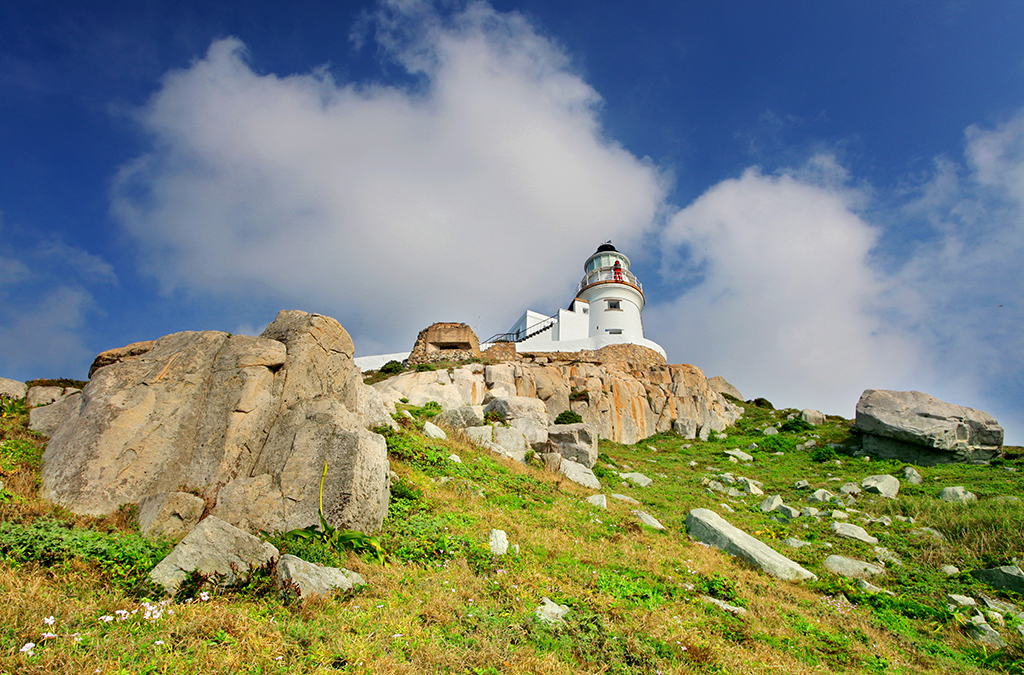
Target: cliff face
(625,399)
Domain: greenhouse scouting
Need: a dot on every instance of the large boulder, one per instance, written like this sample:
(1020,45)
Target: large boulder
(170,514)
(722,386)
(248,422)
(707,526)
(509,408)
(914,427)
(577,442)
(46,419)
(213,547)
(305,580)
(12,388)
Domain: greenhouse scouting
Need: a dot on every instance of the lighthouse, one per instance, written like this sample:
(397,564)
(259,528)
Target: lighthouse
(606,309)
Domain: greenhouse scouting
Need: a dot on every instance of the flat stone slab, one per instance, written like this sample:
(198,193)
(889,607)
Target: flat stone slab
(707,526)
(740,455)
(648,520)
(723,605)
(308,580)
(625,498)
(600,501)
(637,479)
(820,497)
(849,567)
(771,503)
(885,485)
(851,531)
(958,494)
(579,474)
(550,611)
(1007,577)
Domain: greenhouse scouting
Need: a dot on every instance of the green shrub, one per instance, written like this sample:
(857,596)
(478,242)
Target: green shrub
(823,453)
(426,367)
(568,417)
(776,443)
(579,395)
(60,382)
(761,403)
(391,368)
(795,426)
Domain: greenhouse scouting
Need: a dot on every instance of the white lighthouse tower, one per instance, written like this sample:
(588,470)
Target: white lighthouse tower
(607,309)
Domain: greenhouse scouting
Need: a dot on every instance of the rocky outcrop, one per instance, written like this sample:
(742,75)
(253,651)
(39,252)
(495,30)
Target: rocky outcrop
(914,427)
(47,419)
(722,386)
(623,400)
(12,388)
(248,422)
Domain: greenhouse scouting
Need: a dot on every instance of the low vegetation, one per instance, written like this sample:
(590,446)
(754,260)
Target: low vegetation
(74,596)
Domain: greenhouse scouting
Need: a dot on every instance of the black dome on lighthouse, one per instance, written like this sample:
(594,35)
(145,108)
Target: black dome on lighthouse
(605,247)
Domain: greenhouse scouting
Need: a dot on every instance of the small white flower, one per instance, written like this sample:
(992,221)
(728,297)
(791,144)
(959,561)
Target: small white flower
(29,646)
(48,636)
(106,618)
(49,621)
(158,642)
(279,658)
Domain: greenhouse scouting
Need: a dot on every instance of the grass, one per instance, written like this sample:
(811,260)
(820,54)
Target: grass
(444,604)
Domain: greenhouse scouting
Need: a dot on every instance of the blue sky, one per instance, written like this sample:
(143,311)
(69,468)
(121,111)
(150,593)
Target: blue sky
(819,197)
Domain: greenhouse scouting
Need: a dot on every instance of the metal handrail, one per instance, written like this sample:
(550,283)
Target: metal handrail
(609,274)
(523,333)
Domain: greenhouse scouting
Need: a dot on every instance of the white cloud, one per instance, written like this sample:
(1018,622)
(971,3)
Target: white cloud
(784,304)
(467,196)
(44,338)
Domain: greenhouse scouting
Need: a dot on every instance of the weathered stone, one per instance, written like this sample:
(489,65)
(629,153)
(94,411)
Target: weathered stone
(839,515)
(497,542)
(849,567)
(479,435)
(306,580)
(38,396)
(13,388)
(213,547)
(887,557)
(48,418)
(648,520)
(577,442)
(770,431)
(982,632)
(112,356)
(463,416)
(445,342)
(707,526)
(953,600)
(950,570)
(1007,578)
(812,417)
(795,543)
(170,514)
(918,428)
(809,511)
(719,384)
(723,605)
(550,611)
(516,407)
(600,501)
(454,458)
(802,485)
(911,475)
(787,511)
(536,433)
(850,489)
(885,485)
(637,479)
(820,497)
(771,503)
(433,431)
(685,428)
(851,531)
(958,495)
(739,454)
(510,440)
(751,487)
(579,474)
(624,498)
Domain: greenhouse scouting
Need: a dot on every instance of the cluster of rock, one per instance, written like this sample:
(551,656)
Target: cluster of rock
(524,424)
(914,427)
(984,611)
(241,427)
(623,401)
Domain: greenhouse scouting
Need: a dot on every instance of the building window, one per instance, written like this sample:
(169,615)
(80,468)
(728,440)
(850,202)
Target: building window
(586,311)
(615,331)
(613,304)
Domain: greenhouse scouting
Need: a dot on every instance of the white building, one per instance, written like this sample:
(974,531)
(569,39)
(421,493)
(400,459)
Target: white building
(607,310)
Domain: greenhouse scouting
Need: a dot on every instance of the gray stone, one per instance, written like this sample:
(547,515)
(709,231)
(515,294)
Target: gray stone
(12,388)
(648,520)
(509,408)
(707,526)
(851,531)
(454,458)
(809,511)
(637,479)
(463,416)
(705,432)
(38,396)
(953,600)
(795,543)
(771,503)
(306,580)
(723,605)
(624,498)
(839,515)
(885,485)
(914,427)
(802,485)
(751,487)
(719,384)
(550,611)
(1007,578)
(998,605)
(600,501)
(47,419)
(217,413)
(687,428)
(577,442)
(213,547)
(849,567)
(868,587)
(579,474)
(958,495)
(727,508)
(497,541)
(911,475)
(431,430)
(788,511)
(981,632)
(510,440)
(535,432)
(950,570)
(739,455)
(170,514)
(479,435)
(812,417)
(770,431)
(851,489)
(928,532)
(820,497)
